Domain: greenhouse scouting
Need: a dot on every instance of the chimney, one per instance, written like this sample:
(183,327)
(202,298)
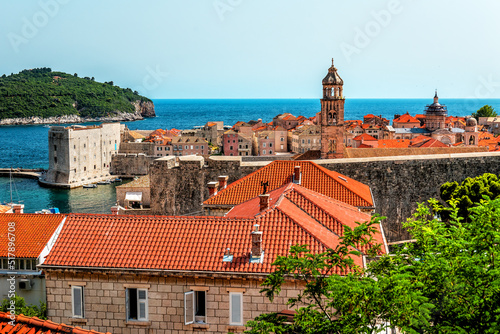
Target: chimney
(223,181)
(256,242)
(264,202)
(18,208)
(296,174)
(212,188)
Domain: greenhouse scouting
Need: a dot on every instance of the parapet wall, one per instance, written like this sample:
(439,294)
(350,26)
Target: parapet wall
(397,183)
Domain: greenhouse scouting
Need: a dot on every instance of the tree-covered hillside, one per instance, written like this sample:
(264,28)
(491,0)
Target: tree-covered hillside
(43,93)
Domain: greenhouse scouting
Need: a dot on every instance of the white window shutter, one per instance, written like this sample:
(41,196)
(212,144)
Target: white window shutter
(142,301)
(189,307)
(77,292)
(236,308)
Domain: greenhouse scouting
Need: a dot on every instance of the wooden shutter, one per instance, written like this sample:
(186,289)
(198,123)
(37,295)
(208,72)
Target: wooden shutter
(235,308)
(189,307)
(77,298)
(142,304)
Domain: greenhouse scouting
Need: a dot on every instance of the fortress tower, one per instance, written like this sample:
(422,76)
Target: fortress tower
(332,116)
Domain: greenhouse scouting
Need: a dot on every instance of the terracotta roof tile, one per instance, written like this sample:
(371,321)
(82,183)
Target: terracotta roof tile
(33,325)
(279,173)
(406,118)
(181,243)
(393,143)
(366,137)
(32,232)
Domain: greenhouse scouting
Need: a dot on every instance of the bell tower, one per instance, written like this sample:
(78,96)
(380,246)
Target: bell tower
(332,116)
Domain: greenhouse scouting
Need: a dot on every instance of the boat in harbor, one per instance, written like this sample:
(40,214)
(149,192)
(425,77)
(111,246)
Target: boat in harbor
(104,182)
(92,185)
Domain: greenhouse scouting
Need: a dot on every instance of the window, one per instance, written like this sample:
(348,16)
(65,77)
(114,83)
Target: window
(137,304)
(195,307)
(55,159)
(281,146)
(282,139)
(84,145)
(202,147)
(236,308)
(77,301)
(186,147)
(270,144)
(270,151)
(264,152)
(55,147)
(263,144)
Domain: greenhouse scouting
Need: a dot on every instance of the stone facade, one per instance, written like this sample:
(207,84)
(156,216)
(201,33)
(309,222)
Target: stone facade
(105,302)
(130,165)
(81,155)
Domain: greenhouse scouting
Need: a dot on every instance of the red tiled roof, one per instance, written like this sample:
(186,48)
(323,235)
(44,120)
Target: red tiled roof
(307,206)
(365,146)
(32,232)
(179,243)
(279,173)
(393,143)
(366,137)
(4,208)
(33,325)
(406,118)
(430,142)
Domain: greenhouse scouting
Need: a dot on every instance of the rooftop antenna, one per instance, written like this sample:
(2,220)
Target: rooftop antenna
(264,185)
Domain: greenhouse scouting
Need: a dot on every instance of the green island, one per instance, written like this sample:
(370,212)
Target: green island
(44,93)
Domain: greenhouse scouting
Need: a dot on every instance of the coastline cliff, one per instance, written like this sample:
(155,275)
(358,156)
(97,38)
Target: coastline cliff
(41,96)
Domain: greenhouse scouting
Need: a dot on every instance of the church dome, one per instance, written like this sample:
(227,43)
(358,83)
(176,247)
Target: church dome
(471,122)
(332,78)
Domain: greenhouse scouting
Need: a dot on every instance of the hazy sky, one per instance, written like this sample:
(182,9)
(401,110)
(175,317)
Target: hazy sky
(261,49)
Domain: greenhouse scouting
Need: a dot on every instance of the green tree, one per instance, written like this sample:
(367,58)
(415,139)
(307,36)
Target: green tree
(485,111)
(350,303)
(457,266)
(468,194)
(27,310)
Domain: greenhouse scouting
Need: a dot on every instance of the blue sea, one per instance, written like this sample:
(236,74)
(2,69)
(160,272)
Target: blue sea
(27,146)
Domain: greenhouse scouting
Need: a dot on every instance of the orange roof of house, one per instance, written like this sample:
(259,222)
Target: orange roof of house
(4,208)
(34,325)
(366,137)
(279,173)
(393,143)
(32,232)
(365,146)
(260,128)
(289,118)
(183,243)
(406,118)
(430,142)
(419,138)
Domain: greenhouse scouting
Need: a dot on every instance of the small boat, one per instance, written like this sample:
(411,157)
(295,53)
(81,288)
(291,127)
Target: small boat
(93,185)
(104,182)
(117,180)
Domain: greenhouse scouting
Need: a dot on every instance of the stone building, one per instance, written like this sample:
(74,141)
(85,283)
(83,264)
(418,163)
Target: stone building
(264,143)
(188,145)
(35,234)
(135,195)
(435,115)
(160,274)
(331,117)
(306,138)
(471,137)
(81,155)
(230,143)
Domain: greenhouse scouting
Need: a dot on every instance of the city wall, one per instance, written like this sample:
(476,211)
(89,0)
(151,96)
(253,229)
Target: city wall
(397,183)
(130,165)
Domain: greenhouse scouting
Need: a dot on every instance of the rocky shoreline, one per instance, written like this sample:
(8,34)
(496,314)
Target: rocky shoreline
(142,109)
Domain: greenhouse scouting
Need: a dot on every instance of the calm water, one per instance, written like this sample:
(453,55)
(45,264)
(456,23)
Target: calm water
(27,146)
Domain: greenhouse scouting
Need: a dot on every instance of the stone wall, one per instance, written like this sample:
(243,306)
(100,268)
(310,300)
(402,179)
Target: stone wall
(397,183)
(129,165)
(136,148)
(105,301)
